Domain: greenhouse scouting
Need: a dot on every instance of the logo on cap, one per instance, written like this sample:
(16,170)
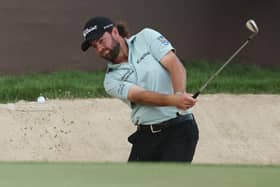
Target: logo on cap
(108,26)
(88,30)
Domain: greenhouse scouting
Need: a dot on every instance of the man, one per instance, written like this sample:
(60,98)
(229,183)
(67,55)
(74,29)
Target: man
(145,73)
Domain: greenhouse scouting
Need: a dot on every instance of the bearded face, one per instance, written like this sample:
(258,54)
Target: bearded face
(107,47)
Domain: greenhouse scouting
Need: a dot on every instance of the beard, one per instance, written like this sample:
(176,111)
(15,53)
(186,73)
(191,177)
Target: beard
(113,52)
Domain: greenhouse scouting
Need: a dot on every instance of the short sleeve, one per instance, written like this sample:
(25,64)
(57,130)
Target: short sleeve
(116,88)
(158,44)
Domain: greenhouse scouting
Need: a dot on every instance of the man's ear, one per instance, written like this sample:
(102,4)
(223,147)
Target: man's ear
(115,32)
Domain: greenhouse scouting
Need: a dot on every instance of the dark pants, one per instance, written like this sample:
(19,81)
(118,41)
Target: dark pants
(175,143)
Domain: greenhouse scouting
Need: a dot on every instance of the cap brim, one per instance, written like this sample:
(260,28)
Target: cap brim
(85,45)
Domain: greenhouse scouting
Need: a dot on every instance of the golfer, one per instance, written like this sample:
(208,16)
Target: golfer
(145,73)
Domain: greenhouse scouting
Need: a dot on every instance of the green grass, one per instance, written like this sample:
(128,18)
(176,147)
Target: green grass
(235,78)
(53,85)
(136,174)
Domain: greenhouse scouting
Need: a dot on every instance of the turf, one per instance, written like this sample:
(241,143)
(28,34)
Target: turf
(235,78)
(136,174)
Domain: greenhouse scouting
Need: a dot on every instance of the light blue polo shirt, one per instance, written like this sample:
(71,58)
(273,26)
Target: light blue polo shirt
(144,69)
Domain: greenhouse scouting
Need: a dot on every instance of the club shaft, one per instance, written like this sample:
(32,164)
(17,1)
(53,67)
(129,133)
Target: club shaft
(221,68)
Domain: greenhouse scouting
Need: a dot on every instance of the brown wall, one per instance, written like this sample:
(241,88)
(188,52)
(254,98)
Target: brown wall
(45,35)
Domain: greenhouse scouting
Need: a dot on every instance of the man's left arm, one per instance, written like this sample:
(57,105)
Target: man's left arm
(177,71)
(163,51)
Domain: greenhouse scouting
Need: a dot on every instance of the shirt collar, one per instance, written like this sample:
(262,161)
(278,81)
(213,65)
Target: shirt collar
(130,40)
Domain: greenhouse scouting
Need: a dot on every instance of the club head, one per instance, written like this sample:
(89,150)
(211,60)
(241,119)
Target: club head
(252,26)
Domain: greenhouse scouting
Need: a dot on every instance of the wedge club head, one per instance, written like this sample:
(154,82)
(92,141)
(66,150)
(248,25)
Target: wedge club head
(252,26)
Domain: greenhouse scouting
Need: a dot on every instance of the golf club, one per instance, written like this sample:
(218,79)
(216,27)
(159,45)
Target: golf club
(252,26)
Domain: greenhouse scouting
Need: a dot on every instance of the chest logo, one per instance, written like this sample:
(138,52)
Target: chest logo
(142,57)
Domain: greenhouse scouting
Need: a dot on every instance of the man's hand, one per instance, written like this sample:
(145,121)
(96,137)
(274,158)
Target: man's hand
(184,101)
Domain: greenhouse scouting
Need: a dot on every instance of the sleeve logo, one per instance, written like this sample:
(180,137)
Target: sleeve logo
(163,40)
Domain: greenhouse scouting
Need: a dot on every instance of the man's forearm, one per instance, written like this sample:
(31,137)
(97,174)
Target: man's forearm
(177,71)
(146,97)
(141,96)
(178,76)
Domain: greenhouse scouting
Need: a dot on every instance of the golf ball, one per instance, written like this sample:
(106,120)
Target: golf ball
(41,99)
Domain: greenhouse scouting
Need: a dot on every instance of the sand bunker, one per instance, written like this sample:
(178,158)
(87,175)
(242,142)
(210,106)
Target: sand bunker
(233,129)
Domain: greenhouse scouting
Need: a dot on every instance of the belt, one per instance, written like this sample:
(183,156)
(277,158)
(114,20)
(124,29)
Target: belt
(155,128)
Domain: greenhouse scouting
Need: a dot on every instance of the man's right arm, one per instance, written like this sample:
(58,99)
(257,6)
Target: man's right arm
(139,95)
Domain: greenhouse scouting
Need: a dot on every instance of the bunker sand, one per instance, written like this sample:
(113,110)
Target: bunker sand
(242,129)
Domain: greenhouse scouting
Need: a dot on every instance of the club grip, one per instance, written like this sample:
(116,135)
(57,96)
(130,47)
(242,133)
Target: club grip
(196,95)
